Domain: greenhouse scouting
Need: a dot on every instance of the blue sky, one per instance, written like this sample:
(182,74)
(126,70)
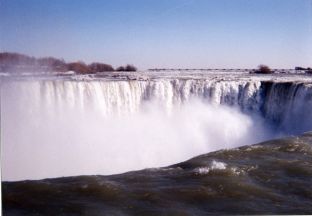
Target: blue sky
(162,33)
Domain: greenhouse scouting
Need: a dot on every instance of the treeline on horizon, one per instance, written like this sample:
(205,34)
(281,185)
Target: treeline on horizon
(16,62)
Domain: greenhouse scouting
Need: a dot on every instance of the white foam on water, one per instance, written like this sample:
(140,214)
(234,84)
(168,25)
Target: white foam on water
(215,165)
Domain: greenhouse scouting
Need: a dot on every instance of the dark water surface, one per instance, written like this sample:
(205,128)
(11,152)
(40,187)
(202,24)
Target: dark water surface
(273,177)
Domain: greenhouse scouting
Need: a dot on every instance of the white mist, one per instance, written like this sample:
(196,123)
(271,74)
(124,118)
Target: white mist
(48,133)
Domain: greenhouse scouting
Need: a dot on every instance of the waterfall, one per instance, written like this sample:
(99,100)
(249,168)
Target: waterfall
(285,104)
(102,126)
(123,97)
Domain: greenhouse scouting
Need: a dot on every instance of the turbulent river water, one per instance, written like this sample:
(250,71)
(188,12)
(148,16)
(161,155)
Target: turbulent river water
(112,123)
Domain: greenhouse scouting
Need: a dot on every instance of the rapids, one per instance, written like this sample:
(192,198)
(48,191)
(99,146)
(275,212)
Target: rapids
(273,177)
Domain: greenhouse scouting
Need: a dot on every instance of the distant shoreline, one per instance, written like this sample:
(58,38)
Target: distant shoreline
(19,63)
(16,62)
